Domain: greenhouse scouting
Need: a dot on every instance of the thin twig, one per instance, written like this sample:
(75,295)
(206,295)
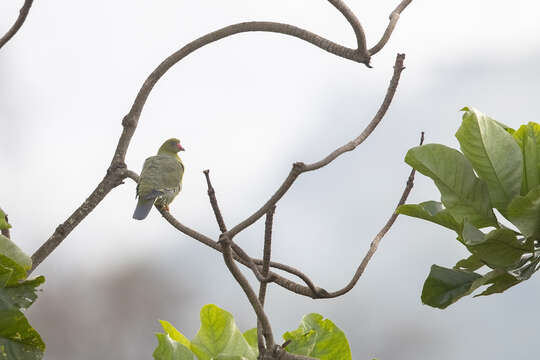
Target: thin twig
(23,13)
(299,167)
(394,17)
(267,251)
(375,243)
(244,284)
(214,203)
(223,228)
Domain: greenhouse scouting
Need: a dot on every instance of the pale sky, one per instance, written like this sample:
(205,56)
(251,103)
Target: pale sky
(247,107)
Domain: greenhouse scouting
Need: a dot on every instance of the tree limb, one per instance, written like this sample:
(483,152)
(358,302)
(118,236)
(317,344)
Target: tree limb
(267,250)
(23,13)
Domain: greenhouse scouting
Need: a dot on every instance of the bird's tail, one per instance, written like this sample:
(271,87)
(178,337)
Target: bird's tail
(143,208)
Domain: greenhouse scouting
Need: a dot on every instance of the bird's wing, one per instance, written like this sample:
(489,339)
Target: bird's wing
(160,174)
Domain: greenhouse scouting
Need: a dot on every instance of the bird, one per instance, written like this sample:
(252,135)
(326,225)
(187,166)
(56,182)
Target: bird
(160,180)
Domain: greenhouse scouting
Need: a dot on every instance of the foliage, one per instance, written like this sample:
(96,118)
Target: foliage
(497,170)
(220,338)
(18,340)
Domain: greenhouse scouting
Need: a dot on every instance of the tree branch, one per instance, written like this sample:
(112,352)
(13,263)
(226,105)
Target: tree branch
(265,269)
(299,167)
(23,13)
(244,284)
(394,17)
(213,202)
(355,23)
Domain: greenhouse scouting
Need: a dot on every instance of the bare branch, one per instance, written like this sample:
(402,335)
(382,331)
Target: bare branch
(214,203)
(355,23)
(299,167)
(375,243)
(244,284)
(109,182)
(23,13)
(394,17)
(267,251)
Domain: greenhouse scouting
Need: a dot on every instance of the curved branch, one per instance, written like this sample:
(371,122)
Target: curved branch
(299,167)
(131,119)
(23,13)
(355,23)
(394,17)
(375,243)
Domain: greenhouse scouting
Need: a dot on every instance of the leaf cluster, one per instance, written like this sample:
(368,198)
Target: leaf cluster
(18,340)
(219,338)
(490,196)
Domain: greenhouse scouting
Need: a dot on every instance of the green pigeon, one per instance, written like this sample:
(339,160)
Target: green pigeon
(161,179)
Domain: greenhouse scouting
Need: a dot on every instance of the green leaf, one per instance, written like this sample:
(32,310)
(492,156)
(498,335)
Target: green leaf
(5,275)
(445,286)
(524,213)
(472,263)
(499,284)
(528,139)
(462,193)
(494,155)
(318,338)
(431,211)
(251,338)
(4,225)
(18,272)
(169,349)
(18,340)
(12,251)
(219,336)
(175,334)
(499,248)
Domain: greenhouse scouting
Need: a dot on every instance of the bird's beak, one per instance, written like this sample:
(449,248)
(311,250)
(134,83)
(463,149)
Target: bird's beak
(180,148)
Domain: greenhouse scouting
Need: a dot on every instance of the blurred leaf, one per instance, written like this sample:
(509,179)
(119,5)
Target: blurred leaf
(169,349)
(5,274)
(251,338)
(3,220)
(494,155)
(12,251)
(318,338)
(524,213)
(499,248)
(18,340)
(445,286)
(431,211)
(18,272)
(462,193)
(471,263)
(499,284)
(175,334)
(219,336)
(528,139)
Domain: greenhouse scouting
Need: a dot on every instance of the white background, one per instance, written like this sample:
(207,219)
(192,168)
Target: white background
(247,107)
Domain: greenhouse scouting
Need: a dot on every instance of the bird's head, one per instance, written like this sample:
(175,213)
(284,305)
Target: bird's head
(171,146)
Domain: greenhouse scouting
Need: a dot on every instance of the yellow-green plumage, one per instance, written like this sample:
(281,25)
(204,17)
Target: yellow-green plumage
(161,179)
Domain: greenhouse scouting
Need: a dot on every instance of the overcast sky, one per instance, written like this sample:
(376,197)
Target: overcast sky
(246,108)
